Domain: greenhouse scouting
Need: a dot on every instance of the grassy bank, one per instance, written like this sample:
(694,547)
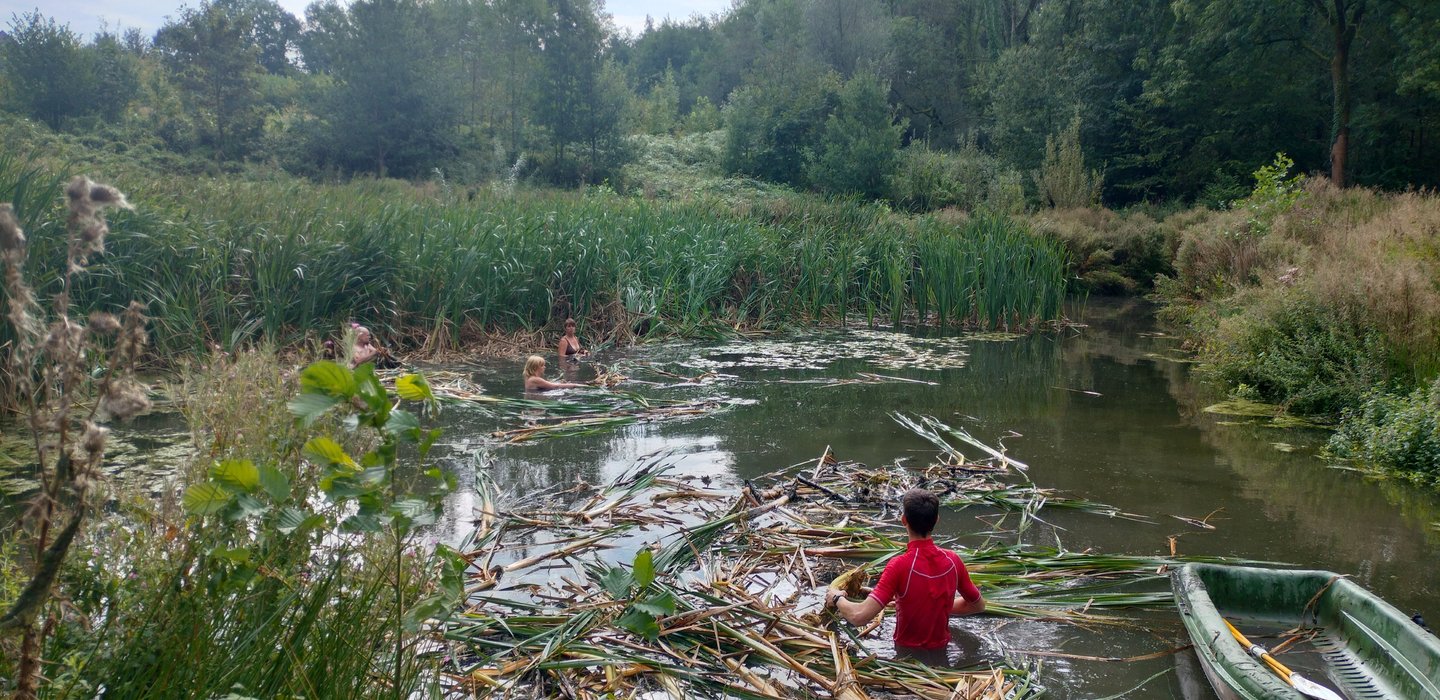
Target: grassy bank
(235,260)
(1325,302)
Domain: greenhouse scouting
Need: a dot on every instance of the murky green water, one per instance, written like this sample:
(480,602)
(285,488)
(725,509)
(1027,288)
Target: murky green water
(1143,444)
(1107,413)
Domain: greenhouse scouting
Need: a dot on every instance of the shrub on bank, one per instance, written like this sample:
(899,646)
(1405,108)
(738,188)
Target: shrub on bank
(1394,433)
(1298,352)
(967,179)
(1312,294)
(1110,252)
(286,569)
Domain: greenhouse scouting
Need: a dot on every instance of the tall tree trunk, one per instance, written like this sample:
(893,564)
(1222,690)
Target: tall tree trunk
(1344,17)
(1340,120)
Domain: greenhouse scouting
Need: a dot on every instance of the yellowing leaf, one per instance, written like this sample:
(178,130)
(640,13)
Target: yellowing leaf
(323,449)
(413,387)
(239,473)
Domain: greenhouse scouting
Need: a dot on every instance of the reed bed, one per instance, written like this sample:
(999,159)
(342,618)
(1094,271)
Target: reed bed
(725,603)
(222,262)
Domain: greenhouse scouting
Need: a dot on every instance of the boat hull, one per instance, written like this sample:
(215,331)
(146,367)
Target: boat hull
(1371,650)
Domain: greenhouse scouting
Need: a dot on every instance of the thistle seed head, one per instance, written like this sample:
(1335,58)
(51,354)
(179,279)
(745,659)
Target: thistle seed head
(94,440)
(12,237)
(102,323)
(124,399)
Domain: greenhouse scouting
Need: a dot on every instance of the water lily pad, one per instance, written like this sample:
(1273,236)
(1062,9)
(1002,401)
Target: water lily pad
(1243,407)
(1286,420)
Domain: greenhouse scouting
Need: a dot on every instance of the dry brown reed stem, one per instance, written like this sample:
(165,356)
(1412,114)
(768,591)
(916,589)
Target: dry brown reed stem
(741,623)
(48,366)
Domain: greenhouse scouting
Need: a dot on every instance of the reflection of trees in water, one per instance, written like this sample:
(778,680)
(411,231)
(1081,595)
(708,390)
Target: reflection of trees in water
(1377,530)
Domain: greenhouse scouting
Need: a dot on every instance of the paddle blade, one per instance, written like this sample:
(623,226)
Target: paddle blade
(1311,689)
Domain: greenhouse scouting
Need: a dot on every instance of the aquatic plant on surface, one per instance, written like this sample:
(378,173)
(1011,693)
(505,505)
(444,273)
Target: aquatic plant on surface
(728,604)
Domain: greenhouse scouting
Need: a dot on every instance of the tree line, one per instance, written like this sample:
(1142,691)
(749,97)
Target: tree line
(1139,101)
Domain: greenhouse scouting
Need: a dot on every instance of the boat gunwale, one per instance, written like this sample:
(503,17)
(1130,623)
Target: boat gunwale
(1221,656)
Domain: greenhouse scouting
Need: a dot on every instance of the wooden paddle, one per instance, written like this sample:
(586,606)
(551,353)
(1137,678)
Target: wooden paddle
(1307,687)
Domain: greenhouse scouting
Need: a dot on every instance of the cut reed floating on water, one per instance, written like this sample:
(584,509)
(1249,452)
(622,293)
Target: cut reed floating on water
(728,605)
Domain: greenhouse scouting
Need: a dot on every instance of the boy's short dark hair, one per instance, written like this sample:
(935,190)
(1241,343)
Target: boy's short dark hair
(921,510)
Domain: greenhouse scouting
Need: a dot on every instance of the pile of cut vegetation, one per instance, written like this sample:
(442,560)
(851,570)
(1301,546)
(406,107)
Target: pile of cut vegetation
(721,594)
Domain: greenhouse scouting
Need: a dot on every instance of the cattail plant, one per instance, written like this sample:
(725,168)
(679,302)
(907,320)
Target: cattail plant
(50,365)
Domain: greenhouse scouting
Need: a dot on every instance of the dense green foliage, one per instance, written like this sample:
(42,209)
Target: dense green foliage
(291,566)
(1323,301)
(1174,101)
(224,262)
(1396,433)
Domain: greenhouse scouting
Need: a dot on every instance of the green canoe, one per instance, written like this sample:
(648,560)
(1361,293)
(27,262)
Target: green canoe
(1363,647)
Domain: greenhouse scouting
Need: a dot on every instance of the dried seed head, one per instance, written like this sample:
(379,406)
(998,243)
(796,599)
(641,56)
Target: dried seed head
(88,202)
(12,237)
(94,439)
(78,188)
(124,399)
(64,339)
(102,323)
(107,196)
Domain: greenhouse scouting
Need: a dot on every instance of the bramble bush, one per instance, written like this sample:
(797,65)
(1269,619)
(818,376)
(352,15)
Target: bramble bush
(1394,433)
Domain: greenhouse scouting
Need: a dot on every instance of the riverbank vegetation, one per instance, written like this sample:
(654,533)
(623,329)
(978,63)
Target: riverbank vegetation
(1325,302)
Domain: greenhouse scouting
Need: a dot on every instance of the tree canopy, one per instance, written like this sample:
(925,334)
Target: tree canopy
(1175,100)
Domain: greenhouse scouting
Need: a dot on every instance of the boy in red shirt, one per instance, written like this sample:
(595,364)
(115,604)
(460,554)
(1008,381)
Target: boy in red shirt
(923,582)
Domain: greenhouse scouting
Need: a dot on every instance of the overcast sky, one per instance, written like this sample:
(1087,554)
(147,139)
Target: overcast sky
(85,16)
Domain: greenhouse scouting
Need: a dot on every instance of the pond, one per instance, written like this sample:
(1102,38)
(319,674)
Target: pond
(1108,412)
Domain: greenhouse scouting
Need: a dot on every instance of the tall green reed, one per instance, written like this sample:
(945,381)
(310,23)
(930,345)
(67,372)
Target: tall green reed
(224,261)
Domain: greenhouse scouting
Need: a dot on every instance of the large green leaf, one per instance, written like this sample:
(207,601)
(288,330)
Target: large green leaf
(206,499)
(275,483)
(239,474)
(663,604)
(414,387)
(403,424)
(326,377)
(309,407)
(617,581)
(639,622)
(369,388)
(425,609)
(245,506)
(644,568)
(292,519)
(323,450)
(362,523)
(413,508)
(239,555)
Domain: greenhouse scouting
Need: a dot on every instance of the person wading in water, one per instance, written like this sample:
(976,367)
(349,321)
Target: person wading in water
(928,584)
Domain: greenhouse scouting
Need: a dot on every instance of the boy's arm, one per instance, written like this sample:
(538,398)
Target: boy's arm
(969,601)
(856,613)
(963,606)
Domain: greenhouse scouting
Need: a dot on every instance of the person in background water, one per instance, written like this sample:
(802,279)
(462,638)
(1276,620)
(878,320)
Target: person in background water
(365,350)
(923,581)
(535,377)
(570,344)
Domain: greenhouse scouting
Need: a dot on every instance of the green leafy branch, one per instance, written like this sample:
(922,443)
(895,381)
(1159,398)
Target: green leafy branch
(633,586)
